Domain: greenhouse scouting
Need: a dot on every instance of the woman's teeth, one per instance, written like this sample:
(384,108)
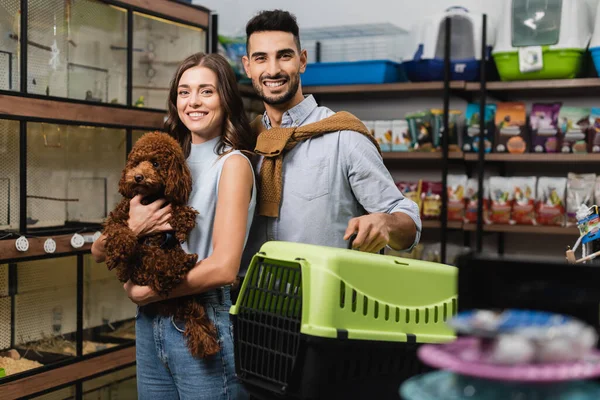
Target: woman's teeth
(197,114)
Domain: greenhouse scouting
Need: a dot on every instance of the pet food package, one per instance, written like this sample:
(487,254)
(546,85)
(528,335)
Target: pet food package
(511,128)
(551,201)
(419,125)
(438,129)
(412,191)
(523,196)
(573,123)
(400,136)
(594,136)
(544,127)
(431,197)
(456,186)
(597,191)
(580,190)
(370,125)
(471,129)
(500,200)
(383,134)
(471,199)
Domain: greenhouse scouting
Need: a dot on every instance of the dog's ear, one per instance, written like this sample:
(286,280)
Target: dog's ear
(179,181)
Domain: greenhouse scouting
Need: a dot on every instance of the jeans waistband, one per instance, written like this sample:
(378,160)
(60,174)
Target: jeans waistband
(220,296)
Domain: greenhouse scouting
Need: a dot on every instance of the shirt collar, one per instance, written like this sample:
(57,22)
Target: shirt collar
(296,115)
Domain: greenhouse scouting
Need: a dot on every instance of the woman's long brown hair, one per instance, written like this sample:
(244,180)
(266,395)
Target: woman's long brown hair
(237,133)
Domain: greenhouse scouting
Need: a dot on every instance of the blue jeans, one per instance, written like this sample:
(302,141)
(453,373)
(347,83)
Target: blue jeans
(167,371)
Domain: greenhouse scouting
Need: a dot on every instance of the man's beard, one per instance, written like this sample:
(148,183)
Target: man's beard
(293,84)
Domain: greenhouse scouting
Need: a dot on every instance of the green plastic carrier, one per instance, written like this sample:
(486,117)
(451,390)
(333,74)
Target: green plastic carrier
(314,322)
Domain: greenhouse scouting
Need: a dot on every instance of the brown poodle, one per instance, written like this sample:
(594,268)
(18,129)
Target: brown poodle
(156,168)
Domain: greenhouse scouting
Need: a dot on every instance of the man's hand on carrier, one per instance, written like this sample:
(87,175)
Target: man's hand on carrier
(140,295)
(372,232)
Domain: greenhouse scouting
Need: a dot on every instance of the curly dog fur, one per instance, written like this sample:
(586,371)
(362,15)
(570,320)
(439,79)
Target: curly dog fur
(156,168)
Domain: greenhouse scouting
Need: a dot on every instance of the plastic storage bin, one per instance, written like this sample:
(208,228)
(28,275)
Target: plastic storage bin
(542,39)
(315,322)
(595,42)
(353,72)
(426,59)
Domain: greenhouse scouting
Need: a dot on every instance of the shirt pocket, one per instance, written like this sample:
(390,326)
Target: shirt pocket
(310,180)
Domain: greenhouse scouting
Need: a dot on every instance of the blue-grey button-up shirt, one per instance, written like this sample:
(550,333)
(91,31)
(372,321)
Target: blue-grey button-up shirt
(327,180)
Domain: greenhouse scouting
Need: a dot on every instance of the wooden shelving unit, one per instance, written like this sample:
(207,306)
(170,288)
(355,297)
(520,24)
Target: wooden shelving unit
(538,230)
(535,158)
(419,156)
(87,368)
(538,85)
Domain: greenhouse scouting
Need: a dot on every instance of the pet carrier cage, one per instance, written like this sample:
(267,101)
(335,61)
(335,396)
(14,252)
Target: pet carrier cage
(354,54)
(317,322)
(542,39)
(425,59)
(10,20)
(159,46)
(70,50)
(9,175)
(72,174)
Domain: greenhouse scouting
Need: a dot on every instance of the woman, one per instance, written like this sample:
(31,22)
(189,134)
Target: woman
(206,116)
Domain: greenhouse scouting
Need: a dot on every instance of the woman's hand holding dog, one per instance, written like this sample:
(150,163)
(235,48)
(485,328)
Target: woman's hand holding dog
(144,220)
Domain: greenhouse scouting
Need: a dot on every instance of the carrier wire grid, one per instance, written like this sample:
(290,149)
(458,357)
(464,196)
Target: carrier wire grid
(314,322)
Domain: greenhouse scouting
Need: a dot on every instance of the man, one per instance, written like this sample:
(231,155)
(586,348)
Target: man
(330,185)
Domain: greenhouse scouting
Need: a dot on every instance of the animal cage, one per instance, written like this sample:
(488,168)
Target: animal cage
(10,48)
(71,50)
(72,174)
(159,47)
(315,322)
(9,175)
(43,328)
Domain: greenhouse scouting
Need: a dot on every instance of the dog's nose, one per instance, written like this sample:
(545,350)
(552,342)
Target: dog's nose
(139,178)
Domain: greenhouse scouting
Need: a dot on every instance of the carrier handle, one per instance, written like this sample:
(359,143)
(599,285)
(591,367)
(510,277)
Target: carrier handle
(351,241)
(460,8)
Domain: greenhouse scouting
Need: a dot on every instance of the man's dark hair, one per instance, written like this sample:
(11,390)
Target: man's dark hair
(275,20)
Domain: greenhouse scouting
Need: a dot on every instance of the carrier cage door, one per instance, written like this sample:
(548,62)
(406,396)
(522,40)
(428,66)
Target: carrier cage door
(462,46)
(536,22)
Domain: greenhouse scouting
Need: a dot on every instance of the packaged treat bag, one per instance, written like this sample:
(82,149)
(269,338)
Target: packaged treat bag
(456,186)
(383,134)
(597,191)
(471,198)
(420,128)
(431,196)
(580,190)
(412,191)
(573,123)
(471,129)
(551,201)
(400,135)
(511,128)
(523,194)
(370,125)
(544,127)
(594,136)
(438,129)
(500,200)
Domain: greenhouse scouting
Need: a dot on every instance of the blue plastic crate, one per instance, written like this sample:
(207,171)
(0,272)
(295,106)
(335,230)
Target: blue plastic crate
(596,57)
(353,72)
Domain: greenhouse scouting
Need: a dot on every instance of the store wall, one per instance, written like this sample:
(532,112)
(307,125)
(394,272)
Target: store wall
(233,14)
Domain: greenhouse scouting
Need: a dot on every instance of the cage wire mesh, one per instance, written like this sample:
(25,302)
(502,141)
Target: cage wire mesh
(105,301)
(383,41)
(10,47)
(136,135)
(158,48)
(4,323)
(73,173)
(47,47)
(46,303)
(9,175)
(119,385)
(97,56)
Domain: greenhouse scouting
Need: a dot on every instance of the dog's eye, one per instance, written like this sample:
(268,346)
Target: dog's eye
(155,164)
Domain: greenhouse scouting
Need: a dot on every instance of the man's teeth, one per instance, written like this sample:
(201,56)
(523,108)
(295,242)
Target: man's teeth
(274,84)
(197,114)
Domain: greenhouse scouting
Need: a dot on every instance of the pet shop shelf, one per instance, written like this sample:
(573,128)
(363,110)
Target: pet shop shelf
(538,158)
(159,46)
(310,324)
(542,39)
(89,367)
(580,87)
(416,156)
(538,230)
(437,224)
